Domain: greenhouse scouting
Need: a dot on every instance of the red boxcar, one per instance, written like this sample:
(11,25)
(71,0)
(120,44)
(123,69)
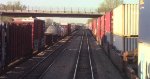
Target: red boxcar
(24,37)
(108,20)
(19,42)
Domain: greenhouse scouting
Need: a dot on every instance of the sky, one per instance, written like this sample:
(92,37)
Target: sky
(88,5)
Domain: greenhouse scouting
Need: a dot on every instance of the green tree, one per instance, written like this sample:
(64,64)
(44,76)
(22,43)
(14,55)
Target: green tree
(108,5)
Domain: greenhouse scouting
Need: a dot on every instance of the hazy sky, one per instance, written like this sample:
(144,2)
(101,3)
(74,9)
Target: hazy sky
(68,4)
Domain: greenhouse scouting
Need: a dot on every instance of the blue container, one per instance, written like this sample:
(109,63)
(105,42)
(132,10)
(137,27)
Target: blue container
(122,44)
(144,22)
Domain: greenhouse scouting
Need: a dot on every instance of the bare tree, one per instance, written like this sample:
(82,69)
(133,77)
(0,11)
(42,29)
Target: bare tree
(108,5)
(48,22)
(11,6)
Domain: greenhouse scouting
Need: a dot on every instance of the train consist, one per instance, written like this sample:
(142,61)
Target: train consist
(117,33)
(24,37)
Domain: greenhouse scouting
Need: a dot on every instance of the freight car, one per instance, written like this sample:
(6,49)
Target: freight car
(20,39)
(51,34)
(24,37)
(117,33)
(144,41)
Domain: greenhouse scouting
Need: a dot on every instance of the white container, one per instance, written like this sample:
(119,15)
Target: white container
(126,20)
(144,60)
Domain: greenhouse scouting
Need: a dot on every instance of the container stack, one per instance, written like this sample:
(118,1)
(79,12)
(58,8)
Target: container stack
(125,34)
(125,27)
(117,33)
(108,32)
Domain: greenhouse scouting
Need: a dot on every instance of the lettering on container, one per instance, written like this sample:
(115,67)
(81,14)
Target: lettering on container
(141,4)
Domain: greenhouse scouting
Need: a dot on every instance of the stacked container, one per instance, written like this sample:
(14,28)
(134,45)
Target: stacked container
(108,32)
(117,32)
(144,41)
(125,27)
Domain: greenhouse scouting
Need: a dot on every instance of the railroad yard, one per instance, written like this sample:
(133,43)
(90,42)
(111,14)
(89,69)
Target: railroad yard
(68,41)
(76,56)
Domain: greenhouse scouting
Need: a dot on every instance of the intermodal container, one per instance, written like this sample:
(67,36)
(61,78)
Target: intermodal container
(108,22)
(125,20)
(108,27)
(144,41)
(125,43)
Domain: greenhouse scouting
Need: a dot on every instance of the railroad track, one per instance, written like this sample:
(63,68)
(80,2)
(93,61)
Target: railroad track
(84,69)
(41,67)
(39,63)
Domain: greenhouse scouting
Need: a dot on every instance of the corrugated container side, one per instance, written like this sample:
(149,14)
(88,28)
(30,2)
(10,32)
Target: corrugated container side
(126,20)
(108,27)
(118,20)
(108,20)
(123,44)
(137,19)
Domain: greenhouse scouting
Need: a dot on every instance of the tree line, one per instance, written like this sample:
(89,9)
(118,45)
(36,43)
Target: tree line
(12,5)
(106,6)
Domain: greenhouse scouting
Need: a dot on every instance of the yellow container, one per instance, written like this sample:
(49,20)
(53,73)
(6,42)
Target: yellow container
(126,20)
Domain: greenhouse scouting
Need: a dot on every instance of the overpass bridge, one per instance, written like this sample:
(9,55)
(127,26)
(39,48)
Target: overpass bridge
(46,13)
